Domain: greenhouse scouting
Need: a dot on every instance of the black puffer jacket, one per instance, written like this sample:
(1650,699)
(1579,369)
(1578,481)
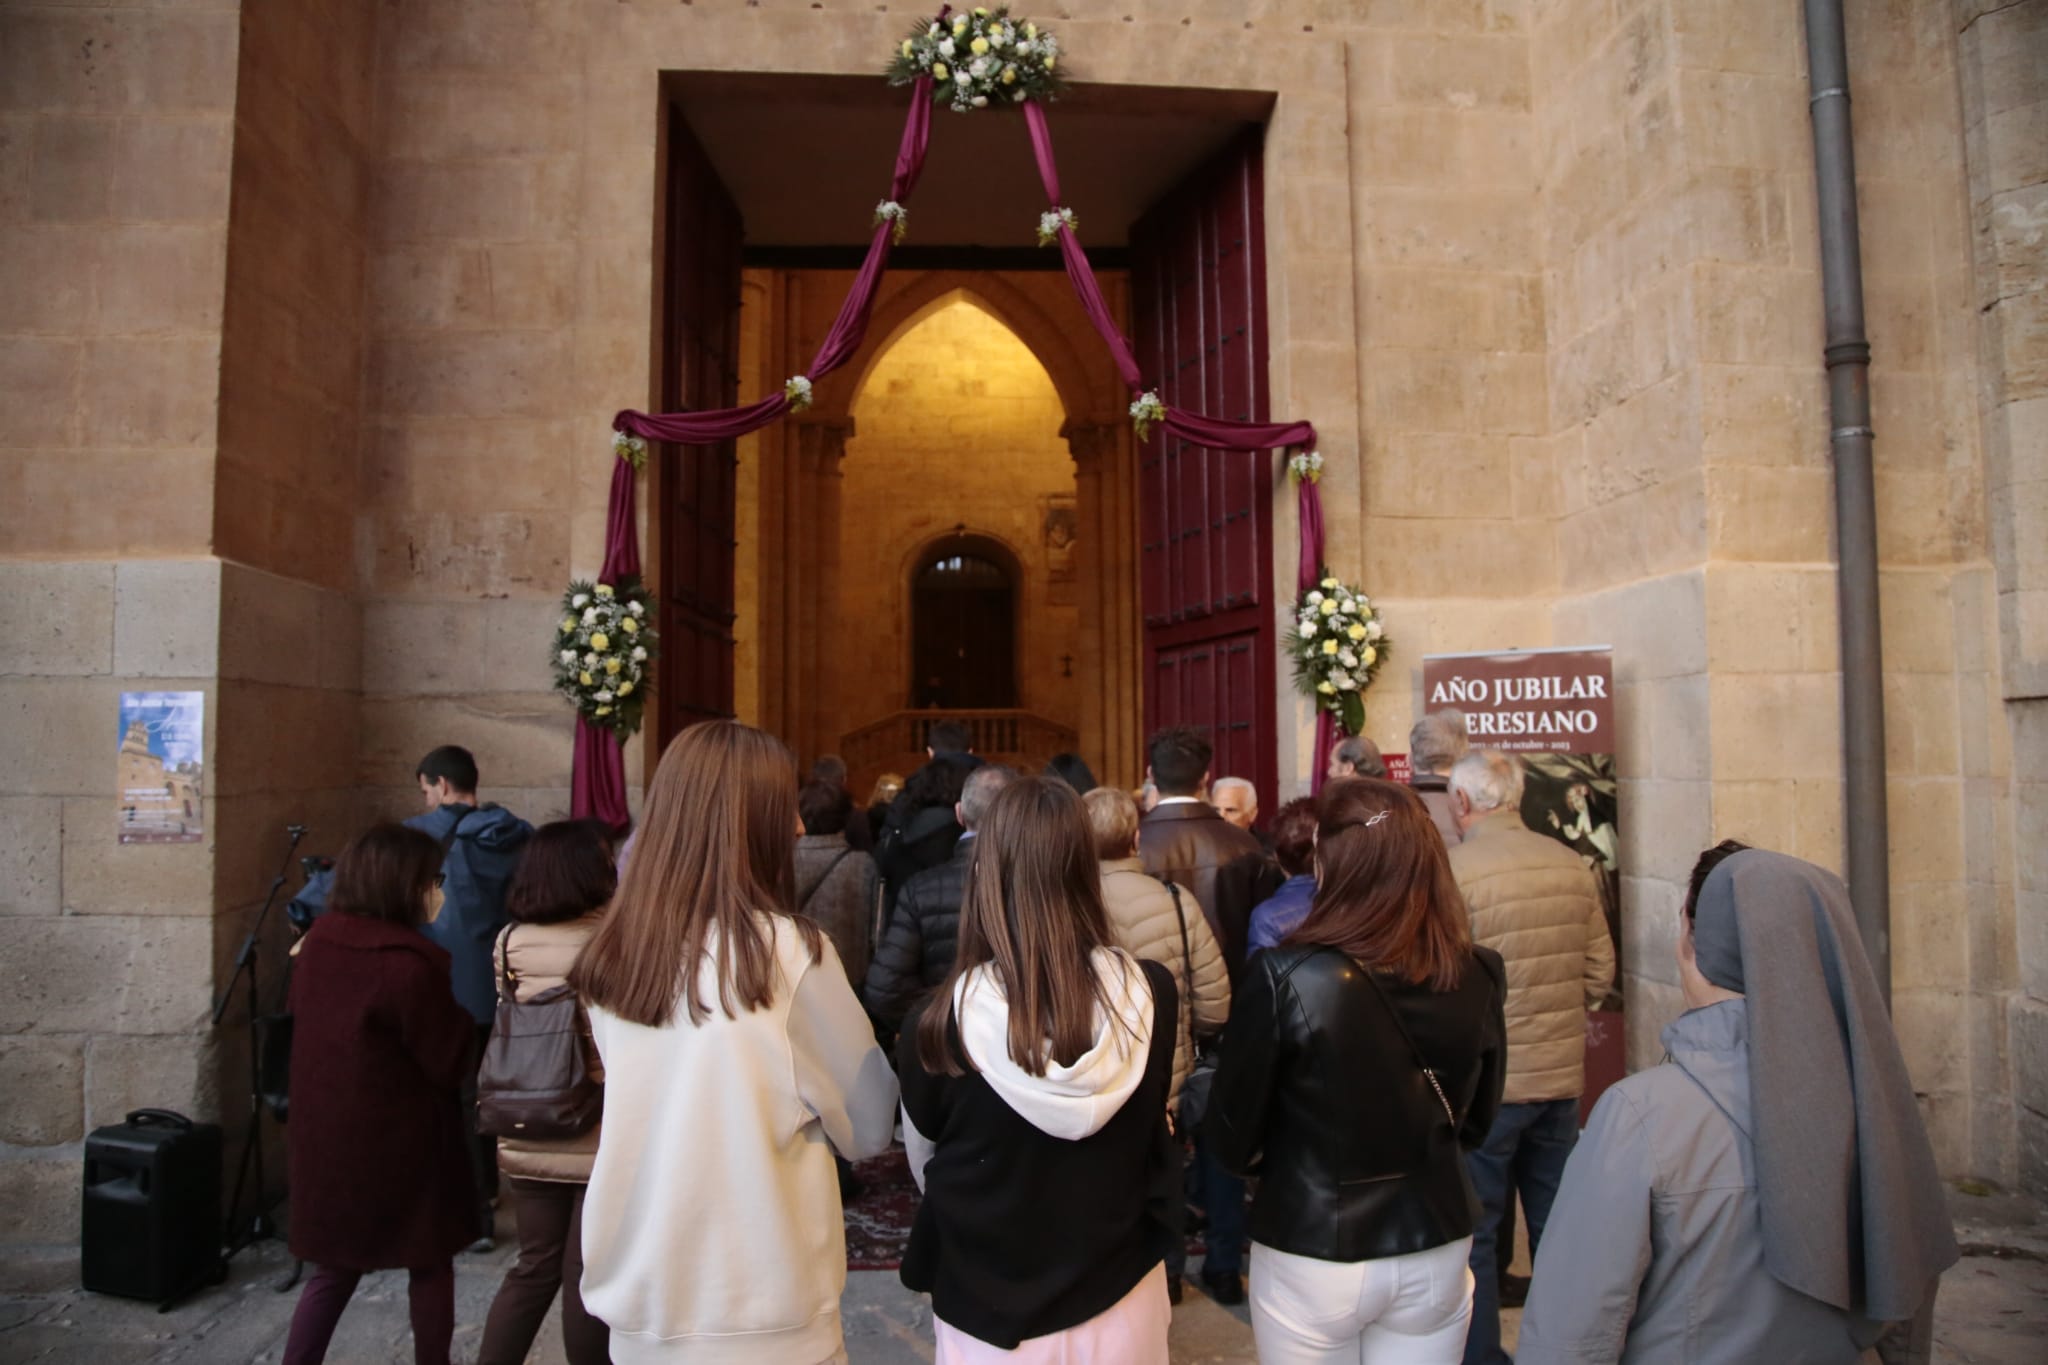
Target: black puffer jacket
(1319,1090)
(918,947)
(920,829)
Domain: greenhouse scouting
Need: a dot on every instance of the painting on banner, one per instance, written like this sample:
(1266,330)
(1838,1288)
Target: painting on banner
(1554,708)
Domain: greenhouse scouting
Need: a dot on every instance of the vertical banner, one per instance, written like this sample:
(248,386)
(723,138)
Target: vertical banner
(159,787)
(1555,709)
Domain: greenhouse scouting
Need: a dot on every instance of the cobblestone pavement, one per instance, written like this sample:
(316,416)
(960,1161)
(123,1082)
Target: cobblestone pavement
(1993,1310)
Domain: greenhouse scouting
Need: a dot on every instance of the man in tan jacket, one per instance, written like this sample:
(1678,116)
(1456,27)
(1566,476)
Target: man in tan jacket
(1535,902)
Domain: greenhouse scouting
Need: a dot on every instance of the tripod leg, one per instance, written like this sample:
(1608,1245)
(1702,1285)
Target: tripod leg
(259,1225)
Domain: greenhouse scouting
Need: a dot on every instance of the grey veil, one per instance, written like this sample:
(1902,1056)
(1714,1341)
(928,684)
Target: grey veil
(1853,1210)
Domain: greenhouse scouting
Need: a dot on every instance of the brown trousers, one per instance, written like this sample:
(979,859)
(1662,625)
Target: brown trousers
(550,1216)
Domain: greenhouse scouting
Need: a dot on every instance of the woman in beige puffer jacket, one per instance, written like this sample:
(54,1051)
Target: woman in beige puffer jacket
(556,901)
(1143,917)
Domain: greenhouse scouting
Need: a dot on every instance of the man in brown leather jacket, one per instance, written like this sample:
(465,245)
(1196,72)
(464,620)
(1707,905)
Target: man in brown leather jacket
(1183,840)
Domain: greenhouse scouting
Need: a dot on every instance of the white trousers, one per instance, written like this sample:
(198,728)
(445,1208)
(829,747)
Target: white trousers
(1400,1310)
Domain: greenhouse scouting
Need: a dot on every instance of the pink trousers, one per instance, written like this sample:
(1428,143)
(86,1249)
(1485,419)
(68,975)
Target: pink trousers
(1132,1331)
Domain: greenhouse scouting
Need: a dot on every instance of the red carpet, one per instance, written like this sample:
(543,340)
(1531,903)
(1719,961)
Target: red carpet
(878,1222)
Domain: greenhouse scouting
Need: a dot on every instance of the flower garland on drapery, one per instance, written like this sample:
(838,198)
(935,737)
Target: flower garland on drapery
(1339,644)
(598,786)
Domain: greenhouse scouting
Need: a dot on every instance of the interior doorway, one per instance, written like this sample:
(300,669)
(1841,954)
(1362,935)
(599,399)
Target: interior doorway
(963,627)
(1165,551)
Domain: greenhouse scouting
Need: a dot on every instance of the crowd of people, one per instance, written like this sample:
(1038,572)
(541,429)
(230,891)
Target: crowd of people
(1349,1039)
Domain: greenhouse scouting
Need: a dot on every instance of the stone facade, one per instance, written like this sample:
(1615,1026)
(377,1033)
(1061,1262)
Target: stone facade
(312,315)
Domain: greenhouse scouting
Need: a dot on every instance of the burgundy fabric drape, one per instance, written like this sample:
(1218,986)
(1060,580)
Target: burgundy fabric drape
(1307,573)
(597,773)
(1079,274)
(1213,433)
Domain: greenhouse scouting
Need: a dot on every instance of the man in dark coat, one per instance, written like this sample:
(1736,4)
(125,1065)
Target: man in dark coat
(922,827)
(1183,840)
(481,848)
(923,933)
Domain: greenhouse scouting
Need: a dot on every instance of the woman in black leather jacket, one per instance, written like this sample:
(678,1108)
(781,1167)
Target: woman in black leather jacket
(1364,1056)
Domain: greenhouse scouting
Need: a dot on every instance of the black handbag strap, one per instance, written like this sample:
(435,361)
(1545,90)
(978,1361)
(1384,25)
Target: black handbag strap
(1413,1051)
(1187,955)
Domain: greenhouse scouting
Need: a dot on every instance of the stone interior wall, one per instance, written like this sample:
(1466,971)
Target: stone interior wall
(2003,55)
(956,422)
(922,430)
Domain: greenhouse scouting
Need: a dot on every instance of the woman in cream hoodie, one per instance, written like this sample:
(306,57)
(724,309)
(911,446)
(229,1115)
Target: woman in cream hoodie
(737,1060)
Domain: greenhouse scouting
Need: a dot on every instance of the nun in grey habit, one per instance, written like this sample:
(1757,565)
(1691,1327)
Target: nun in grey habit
(1768,1194)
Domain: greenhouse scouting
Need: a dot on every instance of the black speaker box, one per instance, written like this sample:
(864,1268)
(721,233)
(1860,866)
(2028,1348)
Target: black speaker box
(152,1218)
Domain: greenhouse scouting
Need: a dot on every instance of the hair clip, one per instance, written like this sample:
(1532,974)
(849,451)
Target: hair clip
(1377,818)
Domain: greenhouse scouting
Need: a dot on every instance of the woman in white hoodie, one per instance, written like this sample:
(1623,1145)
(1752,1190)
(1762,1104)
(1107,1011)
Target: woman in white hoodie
(1034,1105)
(736,1061)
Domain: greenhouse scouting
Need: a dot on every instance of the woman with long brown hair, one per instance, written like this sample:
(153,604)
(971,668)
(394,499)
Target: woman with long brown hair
(1034,1105)
(737,1060)
(1364,1056)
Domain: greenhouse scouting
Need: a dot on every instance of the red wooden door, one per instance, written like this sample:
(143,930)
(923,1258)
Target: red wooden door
(699,369)
(1198,302)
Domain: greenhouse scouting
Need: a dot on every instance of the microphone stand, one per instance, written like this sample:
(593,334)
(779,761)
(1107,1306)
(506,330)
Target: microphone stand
(260,1225)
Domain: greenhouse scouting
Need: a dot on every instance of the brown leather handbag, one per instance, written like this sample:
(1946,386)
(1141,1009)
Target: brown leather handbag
(535,1081)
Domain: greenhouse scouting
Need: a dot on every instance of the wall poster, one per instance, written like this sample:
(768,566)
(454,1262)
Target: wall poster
(1555,709)
(159,782)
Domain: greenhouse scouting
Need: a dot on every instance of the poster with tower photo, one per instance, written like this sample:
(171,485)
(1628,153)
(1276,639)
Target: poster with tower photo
(160,791)
(1554,708)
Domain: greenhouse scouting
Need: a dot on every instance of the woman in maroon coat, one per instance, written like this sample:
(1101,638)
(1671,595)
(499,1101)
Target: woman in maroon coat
(379,1175)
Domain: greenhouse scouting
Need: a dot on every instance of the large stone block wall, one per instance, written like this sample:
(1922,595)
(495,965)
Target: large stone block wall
(116,124)
(484,455)
(183,196)
(115,142)
(1682,307)
(106,949)
(2003,56)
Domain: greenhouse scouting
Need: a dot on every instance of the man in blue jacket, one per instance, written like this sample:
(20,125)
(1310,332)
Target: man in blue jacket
(481,847)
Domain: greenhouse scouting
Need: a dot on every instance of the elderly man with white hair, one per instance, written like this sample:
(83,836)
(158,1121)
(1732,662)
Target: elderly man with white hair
(1236,800)
(1435,743)
(1534,902)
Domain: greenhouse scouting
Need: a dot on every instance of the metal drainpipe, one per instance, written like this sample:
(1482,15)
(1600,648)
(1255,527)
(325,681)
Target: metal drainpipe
(1850,436)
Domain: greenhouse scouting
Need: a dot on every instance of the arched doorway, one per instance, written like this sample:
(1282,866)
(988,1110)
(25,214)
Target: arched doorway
(963,626)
